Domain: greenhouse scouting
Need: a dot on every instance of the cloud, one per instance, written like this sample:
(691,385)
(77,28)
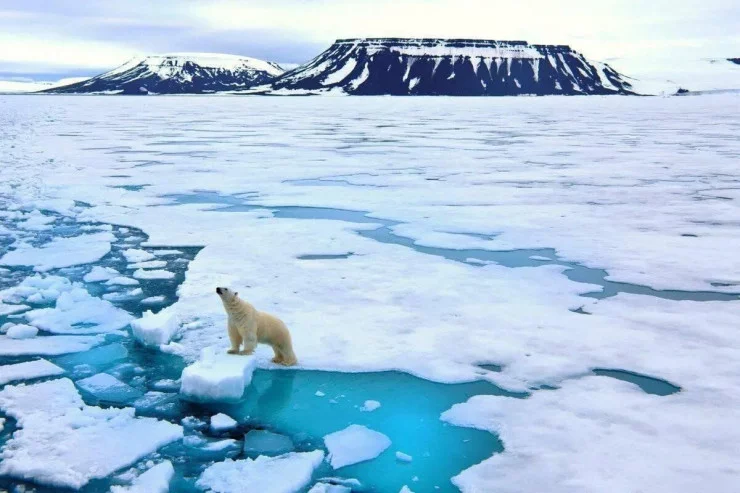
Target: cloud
(58,35)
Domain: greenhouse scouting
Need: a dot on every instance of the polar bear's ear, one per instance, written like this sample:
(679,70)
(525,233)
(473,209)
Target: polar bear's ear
(236,294)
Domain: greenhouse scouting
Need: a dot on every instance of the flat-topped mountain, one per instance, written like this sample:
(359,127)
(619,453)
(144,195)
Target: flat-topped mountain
(179,73)
(459,67)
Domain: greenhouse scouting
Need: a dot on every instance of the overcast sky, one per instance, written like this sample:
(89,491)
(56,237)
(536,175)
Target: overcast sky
(47,39)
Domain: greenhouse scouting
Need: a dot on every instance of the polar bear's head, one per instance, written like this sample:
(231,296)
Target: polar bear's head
(227,295)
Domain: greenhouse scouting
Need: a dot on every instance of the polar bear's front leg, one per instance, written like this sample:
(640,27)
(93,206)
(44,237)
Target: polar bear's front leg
(250,342)
(236,340)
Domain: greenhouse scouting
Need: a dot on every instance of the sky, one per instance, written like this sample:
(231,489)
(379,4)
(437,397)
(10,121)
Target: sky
(51,39)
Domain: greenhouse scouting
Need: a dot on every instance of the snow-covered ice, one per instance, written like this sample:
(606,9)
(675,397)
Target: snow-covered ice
(66,443)
(283,474)
(28,370)
(153,300)
(565,178)
(22,331)
(61,252)
(154,480)
(98,273)
(122,281)
(47,346)
(217,377)
(6,309)
(156,329)
(222,422)
(354,444)
(150,264)
(77,312)
(153,274)
(134,255)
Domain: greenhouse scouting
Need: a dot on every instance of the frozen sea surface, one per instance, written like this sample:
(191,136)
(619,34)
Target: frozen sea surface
(512,246)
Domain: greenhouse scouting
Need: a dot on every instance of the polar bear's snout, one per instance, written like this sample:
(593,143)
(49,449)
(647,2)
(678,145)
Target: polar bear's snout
(218,291)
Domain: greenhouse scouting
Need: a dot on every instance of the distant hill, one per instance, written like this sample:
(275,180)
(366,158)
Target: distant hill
(459,67)
(178,73)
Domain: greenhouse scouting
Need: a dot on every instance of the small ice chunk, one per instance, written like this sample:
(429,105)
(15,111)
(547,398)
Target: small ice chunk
(354,444)
(137,255)
(155,480)
(319,393)
(400,456)
(204,447)
(283,474)
(263,442)
(123,296)
(329,488)
(122,281)
(166,384)
(28,370)
(217,377)
(149,264)
(2,424)
(405,489)
(156,403)
(108,388)
(539,257)
(47,346)
(166,253)
(222,422)
(22,331)
(153,300)
(156,329)
(370,406)
(98,274)
(153,274)
(193,423)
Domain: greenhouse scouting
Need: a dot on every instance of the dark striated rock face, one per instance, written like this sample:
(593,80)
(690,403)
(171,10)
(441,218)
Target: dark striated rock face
(734,60)
(179,74)
(456,67)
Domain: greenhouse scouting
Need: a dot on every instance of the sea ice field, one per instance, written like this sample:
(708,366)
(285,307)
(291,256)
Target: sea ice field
(484,294)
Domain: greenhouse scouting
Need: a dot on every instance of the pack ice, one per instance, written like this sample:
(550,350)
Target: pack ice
(66,443)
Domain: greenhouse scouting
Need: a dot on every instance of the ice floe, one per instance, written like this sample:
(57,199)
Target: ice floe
(354,444)
(156,329)
(153,274)
(98,274)
(61,252)
(222,422)
(217,377)
(77,312)
(154,480)
(134,255)
(283,474)
(28,370)
(47,346)
(21,331)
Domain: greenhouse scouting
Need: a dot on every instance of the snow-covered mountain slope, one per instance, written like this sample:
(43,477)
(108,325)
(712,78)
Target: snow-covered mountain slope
(179,73)
(666,75)
(460,67)
(26,85)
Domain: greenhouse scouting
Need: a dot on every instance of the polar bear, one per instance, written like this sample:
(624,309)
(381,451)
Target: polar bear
(249,326)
